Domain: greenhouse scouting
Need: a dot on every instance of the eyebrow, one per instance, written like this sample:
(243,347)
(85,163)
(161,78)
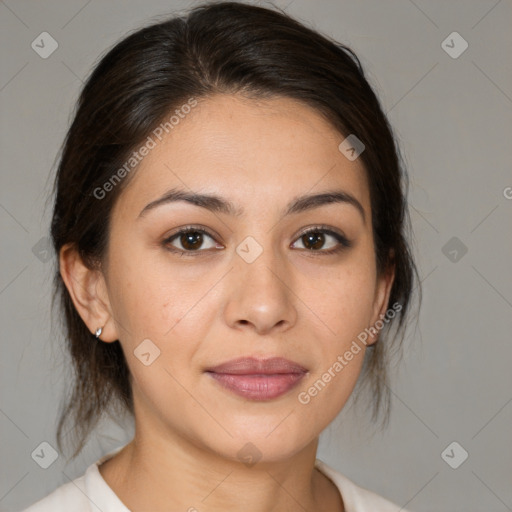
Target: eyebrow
(218,204)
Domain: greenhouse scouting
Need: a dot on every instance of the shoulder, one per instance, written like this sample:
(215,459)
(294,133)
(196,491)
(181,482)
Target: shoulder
(355,498)
(83,494)
(69,496)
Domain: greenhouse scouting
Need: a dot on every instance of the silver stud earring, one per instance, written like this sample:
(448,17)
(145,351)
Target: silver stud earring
(98,332)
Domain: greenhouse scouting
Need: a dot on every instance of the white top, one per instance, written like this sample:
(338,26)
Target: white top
(91,493)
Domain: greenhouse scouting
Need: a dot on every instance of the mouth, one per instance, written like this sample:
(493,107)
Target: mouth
(258,379)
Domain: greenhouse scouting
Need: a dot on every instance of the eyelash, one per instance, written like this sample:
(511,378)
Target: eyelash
(344,243)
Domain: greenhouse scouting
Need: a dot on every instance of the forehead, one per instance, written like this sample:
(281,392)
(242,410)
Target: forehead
(250,151)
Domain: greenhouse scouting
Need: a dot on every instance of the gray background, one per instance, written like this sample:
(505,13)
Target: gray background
(453,118)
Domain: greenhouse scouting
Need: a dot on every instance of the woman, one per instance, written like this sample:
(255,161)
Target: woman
(229,222)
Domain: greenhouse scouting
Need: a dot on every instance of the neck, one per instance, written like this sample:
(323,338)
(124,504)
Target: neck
(184,476)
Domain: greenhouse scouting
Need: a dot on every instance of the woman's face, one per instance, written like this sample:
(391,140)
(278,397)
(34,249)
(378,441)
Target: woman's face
(245,282)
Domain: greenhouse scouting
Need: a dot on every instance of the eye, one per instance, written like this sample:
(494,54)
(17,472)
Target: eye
(316,237)
(190,240)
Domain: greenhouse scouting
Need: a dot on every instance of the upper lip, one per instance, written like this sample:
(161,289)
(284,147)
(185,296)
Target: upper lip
(254,365)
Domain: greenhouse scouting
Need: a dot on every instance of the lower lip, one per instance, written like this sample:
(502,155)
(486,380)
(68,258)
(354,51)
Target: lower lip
(258,387)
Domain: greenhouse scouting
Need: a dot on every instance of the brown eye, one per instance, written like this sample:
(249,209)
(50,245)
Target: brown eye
(315,240)
(190,240)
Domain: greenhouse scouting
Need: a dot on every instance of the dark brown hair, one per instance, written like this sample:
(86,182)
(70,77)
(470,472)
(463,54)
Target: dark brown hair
(226,48)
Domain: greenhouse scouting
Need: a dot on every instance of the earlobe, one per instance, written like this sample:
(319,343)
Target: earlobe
(83,284)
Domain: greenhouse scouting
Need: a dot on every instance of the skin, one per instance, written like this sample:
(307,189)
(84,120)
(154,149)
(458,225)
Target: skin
(202,310)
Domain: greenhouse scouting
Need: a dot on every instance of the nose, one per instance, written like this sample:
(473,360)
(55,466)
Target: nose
(260,295)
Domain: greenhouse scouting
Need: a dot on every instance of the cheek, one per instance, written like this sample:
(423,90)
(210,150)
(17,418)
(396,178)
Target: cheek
(342,300)
(341,309)
(172,310)
(145,302)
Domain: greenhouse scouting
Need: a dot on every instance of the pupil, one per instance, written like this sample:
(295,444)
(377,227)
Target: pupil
(315,239)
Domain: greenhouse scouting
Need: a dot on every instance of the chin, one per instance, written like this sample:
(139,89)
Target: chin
(263,440)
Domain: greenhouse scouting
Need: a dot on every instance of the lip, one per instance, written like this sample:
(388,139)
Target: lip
(258,379)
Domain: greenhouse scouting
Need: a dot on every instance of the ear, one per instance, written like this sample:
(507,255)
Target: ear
(382,292)
(88,292)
